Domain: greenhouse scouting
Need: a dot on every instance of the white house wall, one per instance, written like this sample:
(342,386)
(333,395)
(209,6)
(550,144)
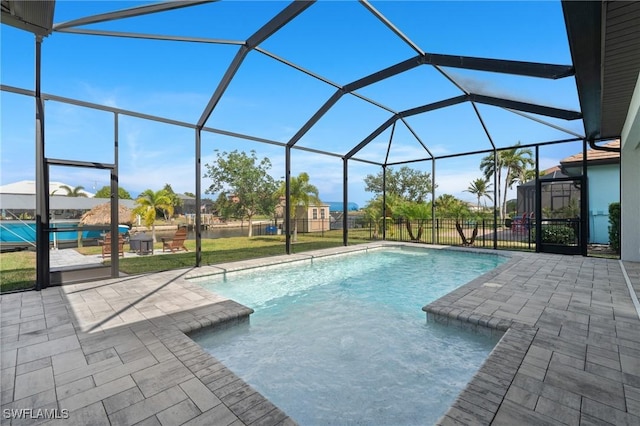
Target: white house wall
(630,169)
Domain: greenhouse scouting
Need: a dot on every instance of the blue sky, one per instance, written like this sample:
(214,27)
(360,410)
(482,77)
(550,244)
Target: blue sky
(341,41)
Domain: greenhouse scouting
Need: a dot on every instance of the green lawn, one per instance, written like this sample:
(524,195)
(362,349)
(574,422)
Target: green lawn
(17,269)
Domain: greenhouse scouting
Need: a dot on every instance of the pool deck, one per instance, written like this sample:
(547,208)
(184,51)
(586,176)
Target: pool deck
(117,352)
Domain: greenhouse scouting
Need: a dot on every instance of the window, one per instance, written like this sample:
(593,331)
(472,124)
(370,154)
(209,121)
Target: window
(322,216)
(315,213)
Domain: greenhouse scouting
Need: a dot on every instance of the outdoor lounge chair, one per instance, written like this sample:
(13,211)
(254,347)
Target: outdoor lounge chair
(177,242)
(106,245)
(521,224)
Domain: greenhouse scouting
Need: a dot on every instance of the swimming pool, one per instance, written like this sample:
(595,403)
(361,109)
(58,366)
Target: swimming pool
(343,340)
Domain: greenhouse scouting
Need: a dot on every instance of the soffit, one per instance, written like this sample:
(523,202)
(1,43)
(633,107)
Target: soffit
(34,16)
(621,63)
(604,38)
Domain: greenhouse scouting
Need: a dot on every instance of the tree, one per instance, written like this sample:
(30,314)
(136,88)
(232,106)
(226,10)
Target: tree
(524,175)
(105,192)
(513,162)
(74,192)
(147,205)
(413,211)
(407,183)
(302,194)
(378,213)
(457,209)
(480,188)
(176,202)
(445,204)
(245,178)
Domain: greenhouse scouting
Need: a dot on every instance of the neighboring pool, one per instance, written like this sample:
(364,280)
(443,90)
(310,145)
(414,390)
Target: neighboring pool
(344,340)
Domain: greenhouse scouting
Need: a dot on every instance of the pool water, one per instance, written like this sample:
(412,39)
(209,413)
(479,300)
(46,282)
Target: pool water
(343,340)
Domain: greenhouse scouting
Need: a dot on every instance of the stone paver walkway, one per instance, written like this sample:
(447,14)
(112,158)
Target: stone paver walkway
(571,351)
(116,351)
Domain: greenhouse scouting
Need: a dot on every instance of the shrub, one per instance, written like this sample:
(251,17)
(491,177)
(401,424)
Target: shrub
(614,226)
(557,234)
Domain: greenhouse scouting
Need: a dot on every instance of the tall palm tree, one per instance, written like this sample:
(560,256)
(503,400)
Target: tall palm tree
(147,204)
(74,192)
(524,175)
(516,161)
(513,161)
(480,188)
(302,195)
(489,168)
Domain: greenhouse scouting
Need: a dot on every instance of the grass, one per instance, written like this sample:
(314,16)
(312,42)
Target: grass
(18,269)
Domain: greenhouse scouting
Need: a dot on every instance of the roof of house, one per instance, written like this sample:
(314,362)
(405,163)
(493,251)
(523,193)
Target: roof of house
(28,202)
(594,155)
(29,187)
(551,173)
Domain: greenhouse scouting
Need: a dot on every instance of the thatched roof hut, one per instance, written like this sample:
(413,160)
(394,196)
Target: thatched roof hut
(101,215)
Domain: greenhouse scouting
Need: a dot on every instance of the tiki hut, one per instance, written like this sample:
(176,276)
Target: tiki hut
(101,215)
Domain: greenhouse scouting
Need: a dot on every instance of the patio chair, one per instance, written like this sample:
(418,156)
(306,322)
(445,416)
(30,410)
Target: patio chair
(520,224)
(106,245)
(176,243)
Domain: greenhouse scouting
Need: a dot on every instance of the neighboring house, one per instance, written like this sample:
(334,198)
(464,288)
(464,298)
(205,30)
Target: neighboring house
(603,174)
(315,219)
(29,187)
(23,206)
(555,196)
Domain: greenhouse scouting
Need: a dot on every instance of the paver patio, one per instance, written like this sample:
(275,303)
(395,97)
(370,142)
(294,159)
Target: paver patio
(115,351)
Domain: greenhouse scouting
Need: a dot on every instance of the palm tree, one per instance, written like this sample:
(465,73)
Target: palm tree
(414,211)
(301,195)
(147,204)
(480,188)
(445,203)
(73,192)
(379,213)
(514,160)
(489,168)
(523,176)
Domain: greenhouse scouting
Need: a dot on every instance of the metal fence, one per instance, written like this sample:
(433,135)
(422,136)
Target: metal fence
(517,234)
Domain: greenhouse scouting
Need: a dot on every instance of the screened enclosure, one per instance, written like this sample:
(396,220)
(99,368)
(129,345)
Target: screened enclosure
(142,95)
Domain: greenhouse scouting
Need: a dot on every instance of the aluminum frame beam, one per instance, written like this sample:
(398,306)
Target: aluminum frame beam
(281,19)
(404,114)
(526,107)
(528,69)
(149,36)
(129,12)
(43,278)
(129,113)
(390,25)
(316,117)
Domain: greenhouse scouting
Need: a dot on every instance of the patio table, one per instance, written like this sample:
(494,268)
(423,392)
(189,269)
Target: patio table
(141,243)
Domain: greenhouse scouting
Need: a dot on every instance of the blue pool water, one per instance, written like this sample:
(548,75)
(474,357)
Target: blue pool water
(343,340)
